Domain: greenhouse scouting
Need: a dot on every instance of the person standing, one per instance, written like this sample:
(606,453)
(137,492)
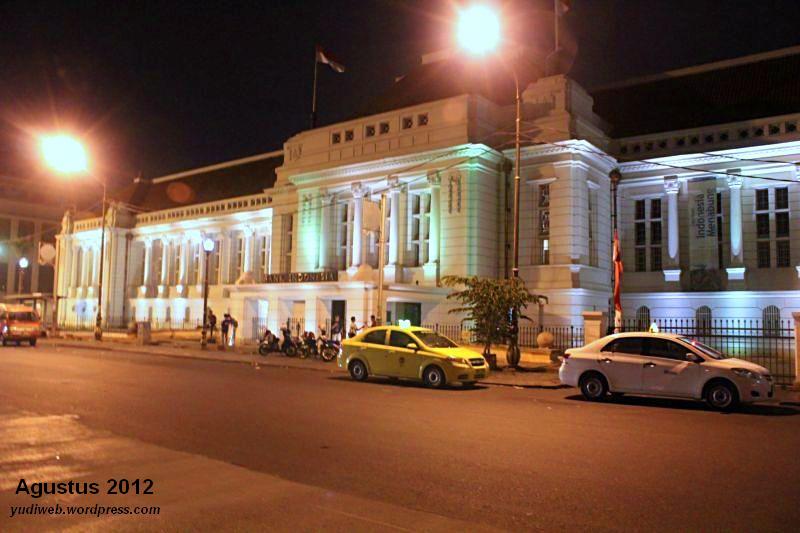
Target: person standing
(336,330)
(232,327)
(225,327)
(372,322)
(212,325)
(352,330)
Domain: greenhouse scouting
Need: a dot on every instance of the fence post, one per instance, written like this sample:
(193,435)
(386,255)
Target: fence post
(594,325)
(796,317)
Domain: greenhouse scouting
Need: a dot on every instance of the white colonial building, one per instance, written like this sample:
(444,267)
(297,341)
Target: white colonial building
(706,211)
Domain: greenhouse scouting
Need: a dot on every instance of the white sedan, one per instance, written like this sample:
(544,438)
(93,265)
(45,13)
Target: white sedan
(661,364)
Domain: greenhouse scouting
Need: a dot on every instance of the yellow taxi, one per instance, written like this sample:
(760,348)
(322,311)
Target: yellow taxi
(413,353)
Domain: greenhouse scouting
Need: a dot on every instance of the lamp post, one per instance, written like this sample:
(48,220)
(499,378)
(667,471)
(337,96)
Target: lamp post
(23,265)
(66,155)
(208,247)
(479,33)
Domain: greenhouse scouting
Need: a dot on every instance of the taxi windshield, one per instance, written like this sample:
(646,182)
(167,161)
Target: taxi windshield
(434,340)
(707,350)
(22,316)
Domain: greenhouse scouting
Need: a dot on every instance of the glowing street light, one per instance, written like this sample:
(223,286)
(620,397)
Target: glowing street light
(478,29)
(64,154)
(23,264)
(479,33)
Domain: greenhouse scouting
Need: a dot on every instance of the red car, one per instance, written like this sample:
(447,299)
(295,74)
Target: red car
(19,323)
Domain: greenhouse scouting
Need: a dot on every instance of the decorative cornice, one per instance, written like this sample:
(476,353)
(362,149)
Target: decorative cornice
(672,184)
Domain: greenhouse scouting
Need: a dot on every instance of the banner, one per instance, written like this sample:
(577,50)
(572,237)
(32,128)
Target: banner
(703,224)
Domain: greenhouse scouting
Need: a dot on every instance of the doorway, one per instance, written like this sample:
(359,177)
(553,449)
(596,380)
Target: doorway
(409,311)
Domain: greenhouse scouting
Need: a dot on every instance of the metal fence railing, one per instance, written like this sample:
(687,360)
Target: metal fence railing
(768,343)
(84,323)
(564,337)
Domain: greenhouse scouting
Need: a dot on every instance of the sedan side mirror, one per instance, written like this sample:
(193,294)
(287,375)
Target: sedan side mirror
(412,346)
(693,358)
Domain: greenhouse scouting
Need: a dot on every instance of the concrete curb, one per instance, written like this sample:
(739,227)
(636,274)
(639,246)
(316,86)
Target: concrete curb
(272,361)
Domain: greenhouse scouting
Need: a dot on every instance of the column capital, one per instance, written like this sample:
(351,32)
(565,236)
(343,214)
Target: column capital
(671,184)
(326,196)
(248,231)
(148,242)
(358,190)
(394,184)
(434,178)
(734,178)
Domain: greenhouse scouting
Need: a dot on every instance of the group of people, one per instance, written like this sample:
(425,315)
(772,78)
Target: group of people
(310,339)
(228,328)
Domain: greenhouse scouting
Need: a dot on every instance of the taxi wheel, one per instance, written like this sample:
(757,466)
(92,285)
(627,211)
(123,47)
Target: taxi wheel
(5,342)
(593,386)
(358,370)
(33,342)
(721,396)
(434,377)
(19,343)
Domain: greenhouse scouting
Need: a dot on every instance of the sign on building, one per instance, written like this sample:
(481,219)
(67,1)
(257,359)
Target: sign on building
(703,224)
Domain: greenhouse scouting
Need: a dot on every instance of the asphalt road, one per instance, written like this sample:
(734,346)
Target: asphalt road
(232,446)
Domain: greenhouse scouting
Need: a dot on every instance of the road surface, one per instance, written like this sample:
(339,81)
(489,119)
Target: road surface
(231,446)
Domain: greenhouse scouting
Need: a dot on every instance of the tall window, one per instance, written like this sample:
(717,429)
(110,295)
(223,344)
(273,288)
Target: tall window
(643,318)
(543,224)
(288,242)
(264,256)
(419,231)
(214,263)
(771,318)
(772,205)
(343,235)
(592,209)
(177,253)
(238,258)
(196,262)
(702,319)
(158,258)
(648,235)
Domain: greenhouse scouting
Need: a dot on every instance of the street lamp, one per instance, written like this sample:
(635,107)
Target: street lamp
(23,265)
(208,247)
(66,155)
(478,33)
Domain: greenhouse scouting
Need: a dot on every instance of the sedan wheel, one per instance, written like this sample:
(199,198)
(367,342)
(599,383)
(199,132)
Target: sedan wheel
(594,387)
(721,396)
(434,377)
(358,370)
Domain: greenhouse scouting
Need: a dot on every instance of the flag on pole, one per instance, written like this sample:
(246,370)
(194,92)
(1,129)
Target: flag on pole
(325,59)
(617,284)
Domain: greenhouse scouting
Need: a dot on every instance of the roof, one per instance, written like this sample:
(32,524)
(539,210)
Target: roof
(451,75)
(231,179)
(756,86)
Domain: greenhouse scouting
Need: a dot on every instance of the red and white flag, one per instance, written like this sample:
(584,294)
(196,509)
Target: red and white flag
(325,59)
(617,284)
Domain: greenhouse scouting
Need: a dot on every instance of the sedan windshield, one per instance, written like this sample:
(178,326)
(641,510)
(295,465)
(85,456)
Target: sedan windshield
(708,350)
(434,340)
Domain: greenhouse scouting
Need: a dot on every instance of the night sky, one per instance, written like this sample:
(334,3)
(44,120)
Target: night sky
(158,87)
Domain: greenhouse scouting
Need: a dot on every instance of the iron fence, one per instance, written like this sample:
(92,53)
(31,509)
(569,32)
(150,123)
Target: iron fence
(564,337)
(767,343)
(85,323)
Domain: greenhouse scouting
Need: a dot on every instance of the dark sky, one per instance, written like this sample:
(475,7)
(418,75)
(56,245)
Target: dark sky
(158,87)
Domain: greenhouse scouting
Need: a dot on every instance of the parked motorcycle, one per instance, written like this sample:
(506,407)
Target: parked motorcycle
(269,343)
(290,346)
(329,349)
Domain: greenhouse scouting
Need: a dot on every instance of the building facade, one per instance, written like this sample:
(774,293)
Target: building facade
(704,224)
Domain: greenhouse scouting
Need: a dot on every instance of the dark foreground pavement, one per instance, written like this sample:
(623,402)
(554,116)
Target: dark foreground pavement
(245,447)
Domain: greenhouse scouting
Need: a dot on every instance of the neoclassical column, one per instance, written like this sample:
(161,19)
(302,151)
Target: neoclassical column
(247,252)
(164,262)
(422,252)
(671,187)
(148,259)
(735,188)
(324,229)
(96,268)
(394,220)
(359,192)
(433,239)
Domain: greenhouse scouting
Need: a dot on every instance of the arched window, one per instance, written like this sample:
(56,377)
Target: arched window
(702,319)
(643,318)
(771,318)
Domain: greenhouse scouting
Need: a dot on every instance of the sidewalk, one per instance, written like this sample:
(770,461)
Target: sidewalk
(533,373)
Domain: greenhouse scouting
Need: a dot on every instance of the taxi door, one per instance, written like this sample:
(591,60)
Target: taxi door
(374,350)
(403,361)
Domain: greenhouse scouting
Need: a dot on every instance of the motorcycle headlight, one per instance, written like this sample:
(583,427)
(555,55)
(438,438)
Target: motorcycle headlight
(744,373)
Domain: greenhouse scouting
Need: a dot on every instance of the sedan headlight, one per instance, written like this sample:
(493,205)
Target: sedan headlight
(457,361)
(744,373)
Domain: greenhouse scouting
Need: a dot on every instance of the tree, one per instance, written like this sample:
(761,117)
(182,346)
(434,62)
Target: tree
(488,303)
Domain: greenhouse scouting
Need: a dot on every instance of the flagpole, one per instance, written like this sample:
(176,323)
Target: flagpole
(314,95)
(556,12)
